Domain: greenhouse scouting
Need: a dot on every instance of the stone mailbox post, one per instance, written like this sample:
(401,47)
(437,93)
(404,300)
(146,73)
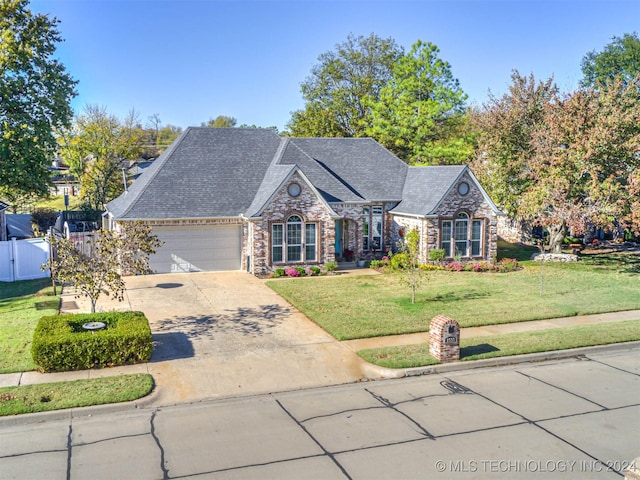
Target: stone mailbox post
(444,339)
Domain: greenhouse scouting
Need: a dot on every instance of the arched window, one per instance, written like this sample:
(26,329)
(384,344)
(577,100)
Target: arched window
(462,237)
(293,241)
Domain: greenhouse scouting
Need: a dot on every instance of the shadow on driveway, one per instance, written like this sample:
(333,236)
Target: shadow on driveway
(243,321)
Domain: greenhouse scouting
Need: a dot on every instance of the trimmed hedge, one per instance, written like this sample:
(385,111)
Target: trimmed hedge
(61,344)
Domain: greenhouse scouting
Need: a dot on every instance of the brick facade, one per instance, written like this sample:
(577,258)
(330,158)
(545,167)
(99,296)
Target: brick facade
(444,339)
(473,204)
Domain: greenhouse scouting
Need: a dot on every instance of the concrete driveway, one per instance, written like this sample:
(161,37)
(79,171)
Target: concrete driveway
(225,333)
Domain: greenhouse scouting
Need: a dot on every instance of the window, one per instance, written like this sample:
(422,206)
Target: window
(277,242)
(376,232)
(461,237)
(476,238)
(446,238)
(310,245)
(365,228)
(461,234)
(294,241)
(372,228)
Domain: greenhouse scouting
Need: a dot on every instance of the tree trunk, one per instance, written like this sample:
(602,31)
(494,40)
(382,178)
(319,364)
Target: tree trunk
(556,237)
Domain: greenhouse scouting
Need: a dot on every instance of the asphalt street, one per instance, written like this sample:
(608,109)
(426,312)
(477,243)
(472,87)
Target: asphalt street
(574,418)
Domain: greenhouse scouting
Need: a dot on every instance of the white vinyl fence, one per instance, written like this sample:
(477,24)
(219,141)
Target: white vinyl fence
(23,259)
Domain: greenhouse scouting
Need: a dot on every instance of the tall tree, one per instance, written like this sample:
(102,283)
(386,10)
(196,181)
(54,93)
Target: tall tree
(506,126)
(419,114)
(620,57)
(96,148)
(566,161)
(334,93)
(221,121)
(35,95)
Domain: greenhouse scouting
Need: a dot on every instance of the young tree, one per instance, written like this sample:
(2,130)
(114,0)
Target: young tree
(412,275)
(114,253)
(335,91)
(621,58)
(35,95)
(419,112)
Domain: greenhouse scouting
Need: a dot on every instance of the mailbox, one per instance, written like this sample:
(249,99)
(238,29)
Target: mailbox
(444,339)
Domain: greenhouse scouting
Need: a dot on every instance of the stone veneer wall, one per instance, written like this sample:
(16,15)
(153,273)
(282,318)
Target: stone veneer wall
(513,230)
(477,207)
(309,207)
(473,203)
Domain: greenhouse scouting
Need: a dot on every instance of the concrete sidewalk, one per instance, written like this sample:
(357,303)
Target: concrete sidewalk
(472,332)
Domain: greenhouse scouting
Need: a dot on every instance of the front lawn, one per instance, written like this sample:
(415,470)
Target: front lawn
(44,397)
(21,306)
(408,356)
(351,307)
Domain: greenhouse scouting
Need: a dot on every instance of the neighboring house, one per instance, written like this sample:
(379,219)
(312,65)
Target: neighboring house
(234,198)
(3,221)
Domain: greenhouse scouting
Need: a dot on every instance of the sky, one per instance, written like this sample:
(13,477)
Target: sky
(188,61)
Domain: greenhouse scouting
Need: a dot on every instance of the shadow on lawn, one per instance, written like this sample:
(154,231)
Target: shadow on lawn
(243,321)
(622,262)
(477,350)
(457,296)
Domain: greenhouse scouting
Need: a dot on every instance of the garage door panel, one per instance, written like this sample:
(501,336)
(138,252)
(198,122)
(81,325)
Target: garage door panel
(190,249)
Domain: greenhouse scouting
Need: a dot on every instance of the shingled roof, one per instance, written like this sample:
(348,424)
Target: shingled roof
(227,172)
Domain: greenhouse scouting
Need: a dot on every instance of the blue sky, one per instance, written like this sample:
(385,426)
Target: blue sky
(189,61)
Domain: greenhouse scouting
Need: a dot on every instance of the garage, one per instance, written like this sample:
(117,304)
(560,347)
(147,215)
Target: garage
(197,249)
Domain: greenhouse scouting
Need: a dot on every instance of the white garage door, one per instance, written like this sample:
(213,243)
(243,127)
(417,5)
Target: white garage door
(197,249)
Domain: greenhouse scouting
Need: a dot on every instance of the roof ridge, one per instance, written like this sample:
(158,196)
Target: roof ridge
(279,152)
(162,159)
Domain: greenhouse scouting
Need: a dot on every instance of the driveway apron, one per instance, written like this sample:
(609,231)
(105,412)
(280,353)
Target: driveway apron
(225,333)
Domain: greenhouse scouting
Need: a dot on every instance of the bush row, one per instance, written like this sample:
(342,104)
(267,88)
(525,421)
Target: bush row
(60,343)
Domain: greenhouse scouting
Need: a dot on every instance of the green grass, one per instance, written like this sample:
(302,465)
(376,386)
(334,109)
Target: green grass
(21,306)
(78,393)
(56,202)
(408,356)
(351,307)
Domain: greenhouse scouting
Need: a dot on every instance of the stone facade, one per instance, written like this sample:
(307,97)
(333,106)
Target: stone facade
(444,339)
(309,207)
(473,204)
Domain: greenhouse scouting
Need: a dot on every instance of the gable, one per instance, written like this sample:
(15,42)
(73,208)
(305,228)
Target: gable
(207,172)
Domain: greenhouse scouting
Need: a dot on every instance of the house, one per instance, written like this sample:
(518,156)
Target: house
(3,221)
(234,198)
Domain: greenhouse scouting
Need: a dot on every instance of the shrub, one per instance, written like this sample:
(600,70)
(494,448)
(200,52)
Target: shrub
(61,344)
(315,270)
(43,218)
(436,254)
(508,265)
(428,267)
(331,266)
(292,272)
(454,266)
(301,270)
(400,261)
(375,264)
(278,272)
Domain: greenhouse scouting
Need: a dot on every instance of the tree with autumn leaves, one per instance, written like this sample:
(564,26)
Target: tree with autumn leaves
(566,161)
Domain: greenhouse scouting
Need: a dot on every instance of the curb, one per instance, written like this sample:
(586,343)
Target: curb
(372,372)
(375,372)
